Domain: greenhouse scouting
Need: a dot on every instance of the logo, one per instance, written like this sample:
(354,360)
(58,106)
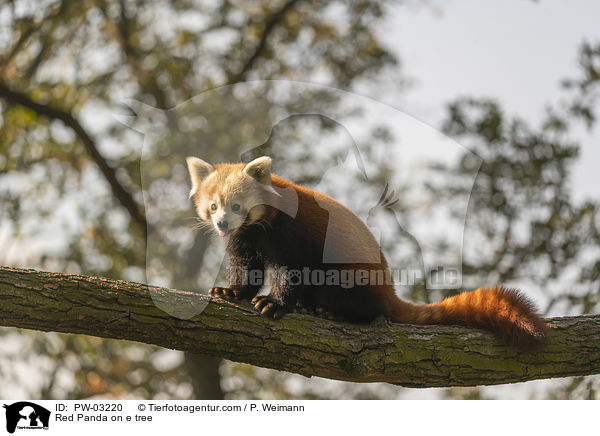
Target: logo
(26,415)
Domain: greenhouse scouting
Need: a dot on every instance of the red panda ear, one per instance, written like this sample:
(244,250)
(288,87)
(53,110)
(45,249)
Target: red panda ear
(260,170)
(199,170)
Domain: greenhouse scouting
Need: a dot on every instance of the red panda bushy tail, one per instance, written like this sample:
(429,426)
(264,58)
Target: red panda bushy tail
(504,311)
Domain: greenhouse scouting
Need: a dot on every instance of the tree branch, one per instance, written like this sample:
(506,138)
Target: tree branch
(270,25)
(120,31)
(124,197)
(415,356)
(25,32)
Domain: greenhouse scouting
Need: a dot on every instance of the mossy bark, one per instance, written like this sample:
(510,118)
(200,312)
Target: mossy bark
(407,355)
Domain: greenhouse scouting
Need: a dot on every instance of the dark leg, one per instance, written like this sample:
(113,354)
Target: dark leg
(245,278)
(281,300)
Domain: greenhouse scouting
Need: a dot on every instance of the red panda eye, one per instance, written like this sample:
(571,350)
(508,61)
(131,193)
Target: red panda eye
(213,206)
(235,207)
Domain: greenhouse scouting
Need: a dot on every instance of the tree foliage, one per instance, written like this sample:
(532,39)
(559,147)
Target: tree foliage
(70,182)
(71,190)
(524,222)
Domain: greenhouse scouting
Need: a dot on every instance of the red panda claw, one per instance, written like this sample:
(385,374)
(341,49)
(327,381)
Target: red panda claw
(225,293)
(268,307)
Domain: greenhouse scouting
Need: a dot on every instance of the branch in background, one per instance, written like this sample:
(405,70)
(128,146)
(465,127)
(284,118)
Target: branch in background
(120,30)
(122,195)
(270,25)
(408,355)
(26,32)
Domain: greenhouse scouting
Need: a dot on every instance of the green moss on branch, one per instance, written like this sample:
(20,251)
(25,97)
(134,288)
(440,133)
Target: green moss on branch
(407,355)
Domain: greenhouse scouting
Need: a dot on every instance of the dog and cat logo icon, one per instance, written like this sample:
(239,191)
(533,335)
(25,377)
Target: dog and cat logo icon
(26,415)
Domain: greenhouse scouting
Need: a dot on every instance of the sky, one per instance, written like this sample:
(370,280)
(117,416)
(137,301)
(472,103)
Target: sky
(517,52)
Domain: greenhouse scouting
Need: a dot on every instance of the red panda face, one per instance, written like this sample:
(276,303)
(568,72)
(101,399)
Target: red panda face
(225,202)
(228,196)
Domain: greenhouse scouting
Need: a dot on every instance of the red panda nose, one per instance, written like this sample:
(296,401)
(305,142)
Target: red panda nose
(222,224)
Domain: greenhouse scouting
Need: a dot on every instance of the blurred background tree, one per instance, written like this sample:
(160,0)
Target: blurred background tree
(524,223)
(70,181)
(71,184)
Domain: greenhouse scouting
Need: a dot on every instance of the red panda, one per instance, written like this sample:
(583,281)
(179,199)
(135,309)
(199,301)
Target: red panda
(270,222)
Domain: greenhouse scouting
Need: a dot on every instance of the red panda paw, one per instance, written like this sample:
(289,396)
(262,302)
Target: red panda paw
(269,307)
(226,293)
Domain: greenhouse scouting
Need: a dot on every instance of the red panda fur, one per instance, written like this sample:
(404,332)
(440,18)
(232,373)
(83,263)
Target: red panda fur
(296,241)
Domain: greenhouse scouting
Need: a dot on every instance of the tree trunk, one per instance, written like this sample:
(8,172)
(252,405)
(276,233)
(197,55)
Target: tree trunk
(204,372)
(407,355)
